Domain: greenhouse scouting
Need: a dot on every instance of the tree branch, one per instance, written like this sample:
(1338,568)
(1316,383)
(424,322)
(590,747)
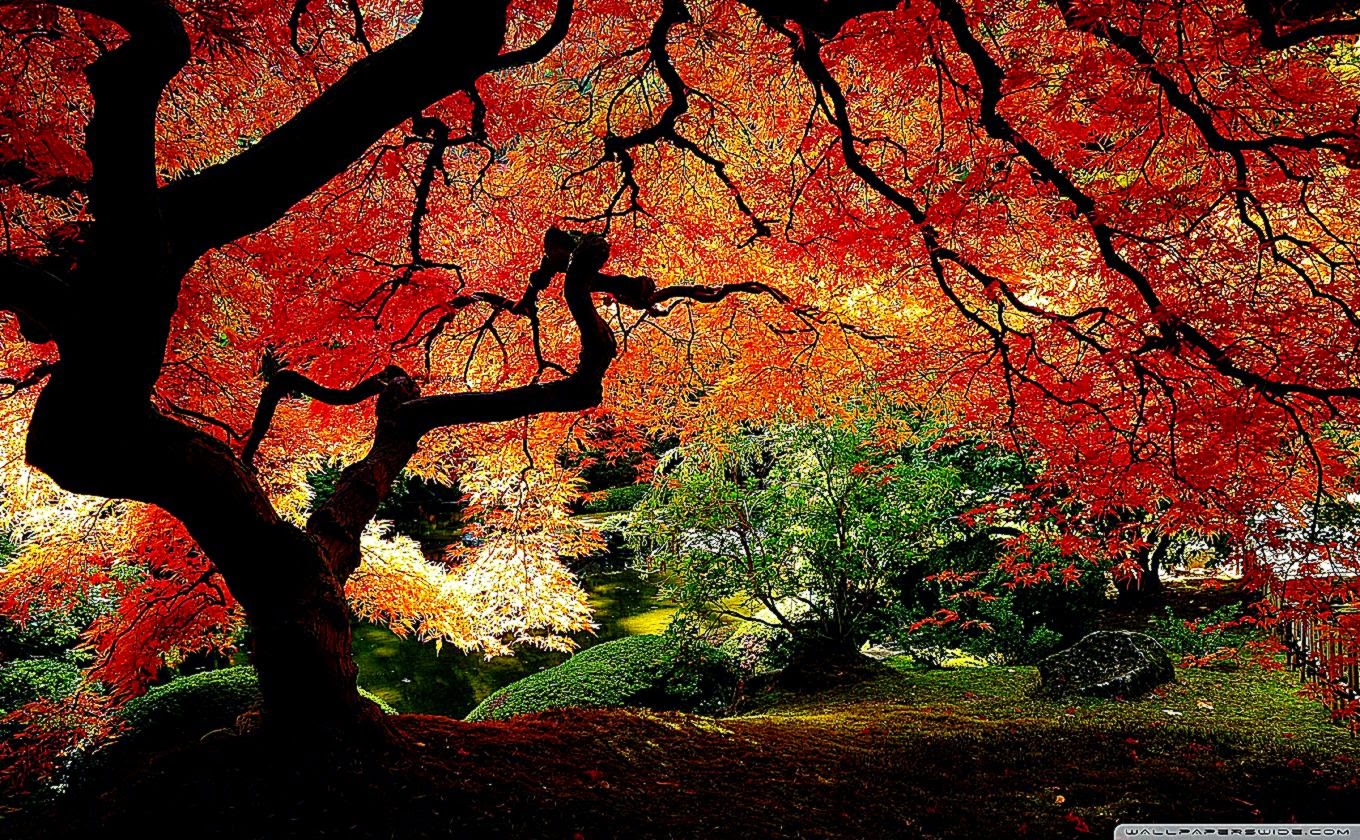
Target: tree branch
(539,50)
(620,148)
(642,293)
(451,46)
(1318,20)
(582,389)
(38,374)
(126,85)
(1173,328)
(823,18)
(338,523)
(290,383)
(449,49)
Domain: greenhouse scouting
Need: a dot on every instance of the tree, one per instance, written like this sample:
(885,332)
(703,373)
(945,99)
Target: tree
(238,239)
(1139,576)
(801,527)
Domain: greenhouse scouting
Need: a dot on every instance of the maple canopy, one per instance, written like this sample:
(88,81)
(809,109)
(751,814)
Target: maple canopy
(245,240)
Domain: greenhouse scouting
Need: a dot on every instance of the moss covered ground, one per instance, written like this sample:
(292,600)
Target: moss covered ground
(908,753)
(874,750)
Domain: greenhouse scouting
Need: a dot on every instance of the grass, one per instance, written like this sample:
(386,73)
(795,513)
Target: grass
(948,755)
(619,599)
(964,754)
(1241,745)
(1254,703)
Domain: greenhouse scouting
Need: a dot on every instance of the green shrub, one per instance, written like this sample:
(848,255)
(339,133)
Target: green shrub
(666,672)
(757,649)
(615,499)
(812,512)
(43,635)
(25,680)
(1022,623)
(9,548)
(46,633)
(187,707)
(1040,643)
(1222,628)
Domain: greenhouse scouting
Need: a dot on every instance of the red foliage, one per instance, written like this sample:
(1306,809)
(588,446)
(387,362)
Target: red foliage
(47,733)
(179,607)
(1116,237)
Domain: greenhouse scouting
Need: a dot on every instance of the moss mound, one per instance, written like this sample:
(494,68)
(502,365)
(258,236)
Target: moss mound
(187,707)
(663,672)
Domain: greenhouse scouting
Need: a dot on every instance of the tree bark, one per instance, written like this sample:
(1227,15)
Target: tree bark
(302,649)
(282,576)
(1148,583)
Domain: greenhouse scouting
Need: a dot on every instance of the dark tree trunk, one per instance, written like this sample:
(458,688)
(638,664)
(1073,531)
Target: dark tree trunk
(1148,583)
(306,666)
(281,575)
(301,645)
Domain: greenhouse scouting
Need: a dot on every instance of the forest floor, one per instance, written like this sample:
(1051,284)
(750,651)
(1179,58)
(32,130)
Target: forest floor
(896,752)
(928,754)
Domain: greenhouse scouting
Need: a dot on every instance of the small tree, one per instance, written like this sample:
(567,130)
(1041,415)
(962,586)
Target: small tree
(799,526)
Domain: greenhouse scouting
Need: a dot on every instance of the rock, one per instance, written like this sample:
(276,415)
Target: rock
(1107,663)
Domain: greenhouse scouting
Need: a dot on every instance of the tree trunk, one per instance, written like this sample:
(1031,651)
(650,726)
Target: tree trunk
(301,645)
(1148,583)
(307,671)
(282,577)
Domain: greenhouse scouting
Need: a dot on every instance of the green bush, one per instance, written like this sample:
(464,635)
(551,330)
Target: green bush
(46,633)
(1021,623)
(812,512)
(1222,628)
(665,672)
(1038,644)
(757,649)
(187,707)
(615,499)
(9,548)
(43,635)
(26,680)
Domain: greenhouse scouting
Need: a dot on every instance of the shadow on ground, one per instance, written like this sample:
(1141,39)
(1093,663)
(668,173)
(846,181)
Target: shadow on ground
(911,754)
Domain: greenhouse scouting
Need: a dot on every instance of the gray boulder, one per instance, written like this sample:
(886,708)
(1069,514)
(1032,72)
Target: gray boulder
(1107,663)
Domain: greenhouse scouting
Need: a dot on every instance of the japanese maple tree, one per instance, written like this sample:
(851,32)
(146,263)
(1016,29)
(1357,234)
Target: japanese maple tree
(241,240)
